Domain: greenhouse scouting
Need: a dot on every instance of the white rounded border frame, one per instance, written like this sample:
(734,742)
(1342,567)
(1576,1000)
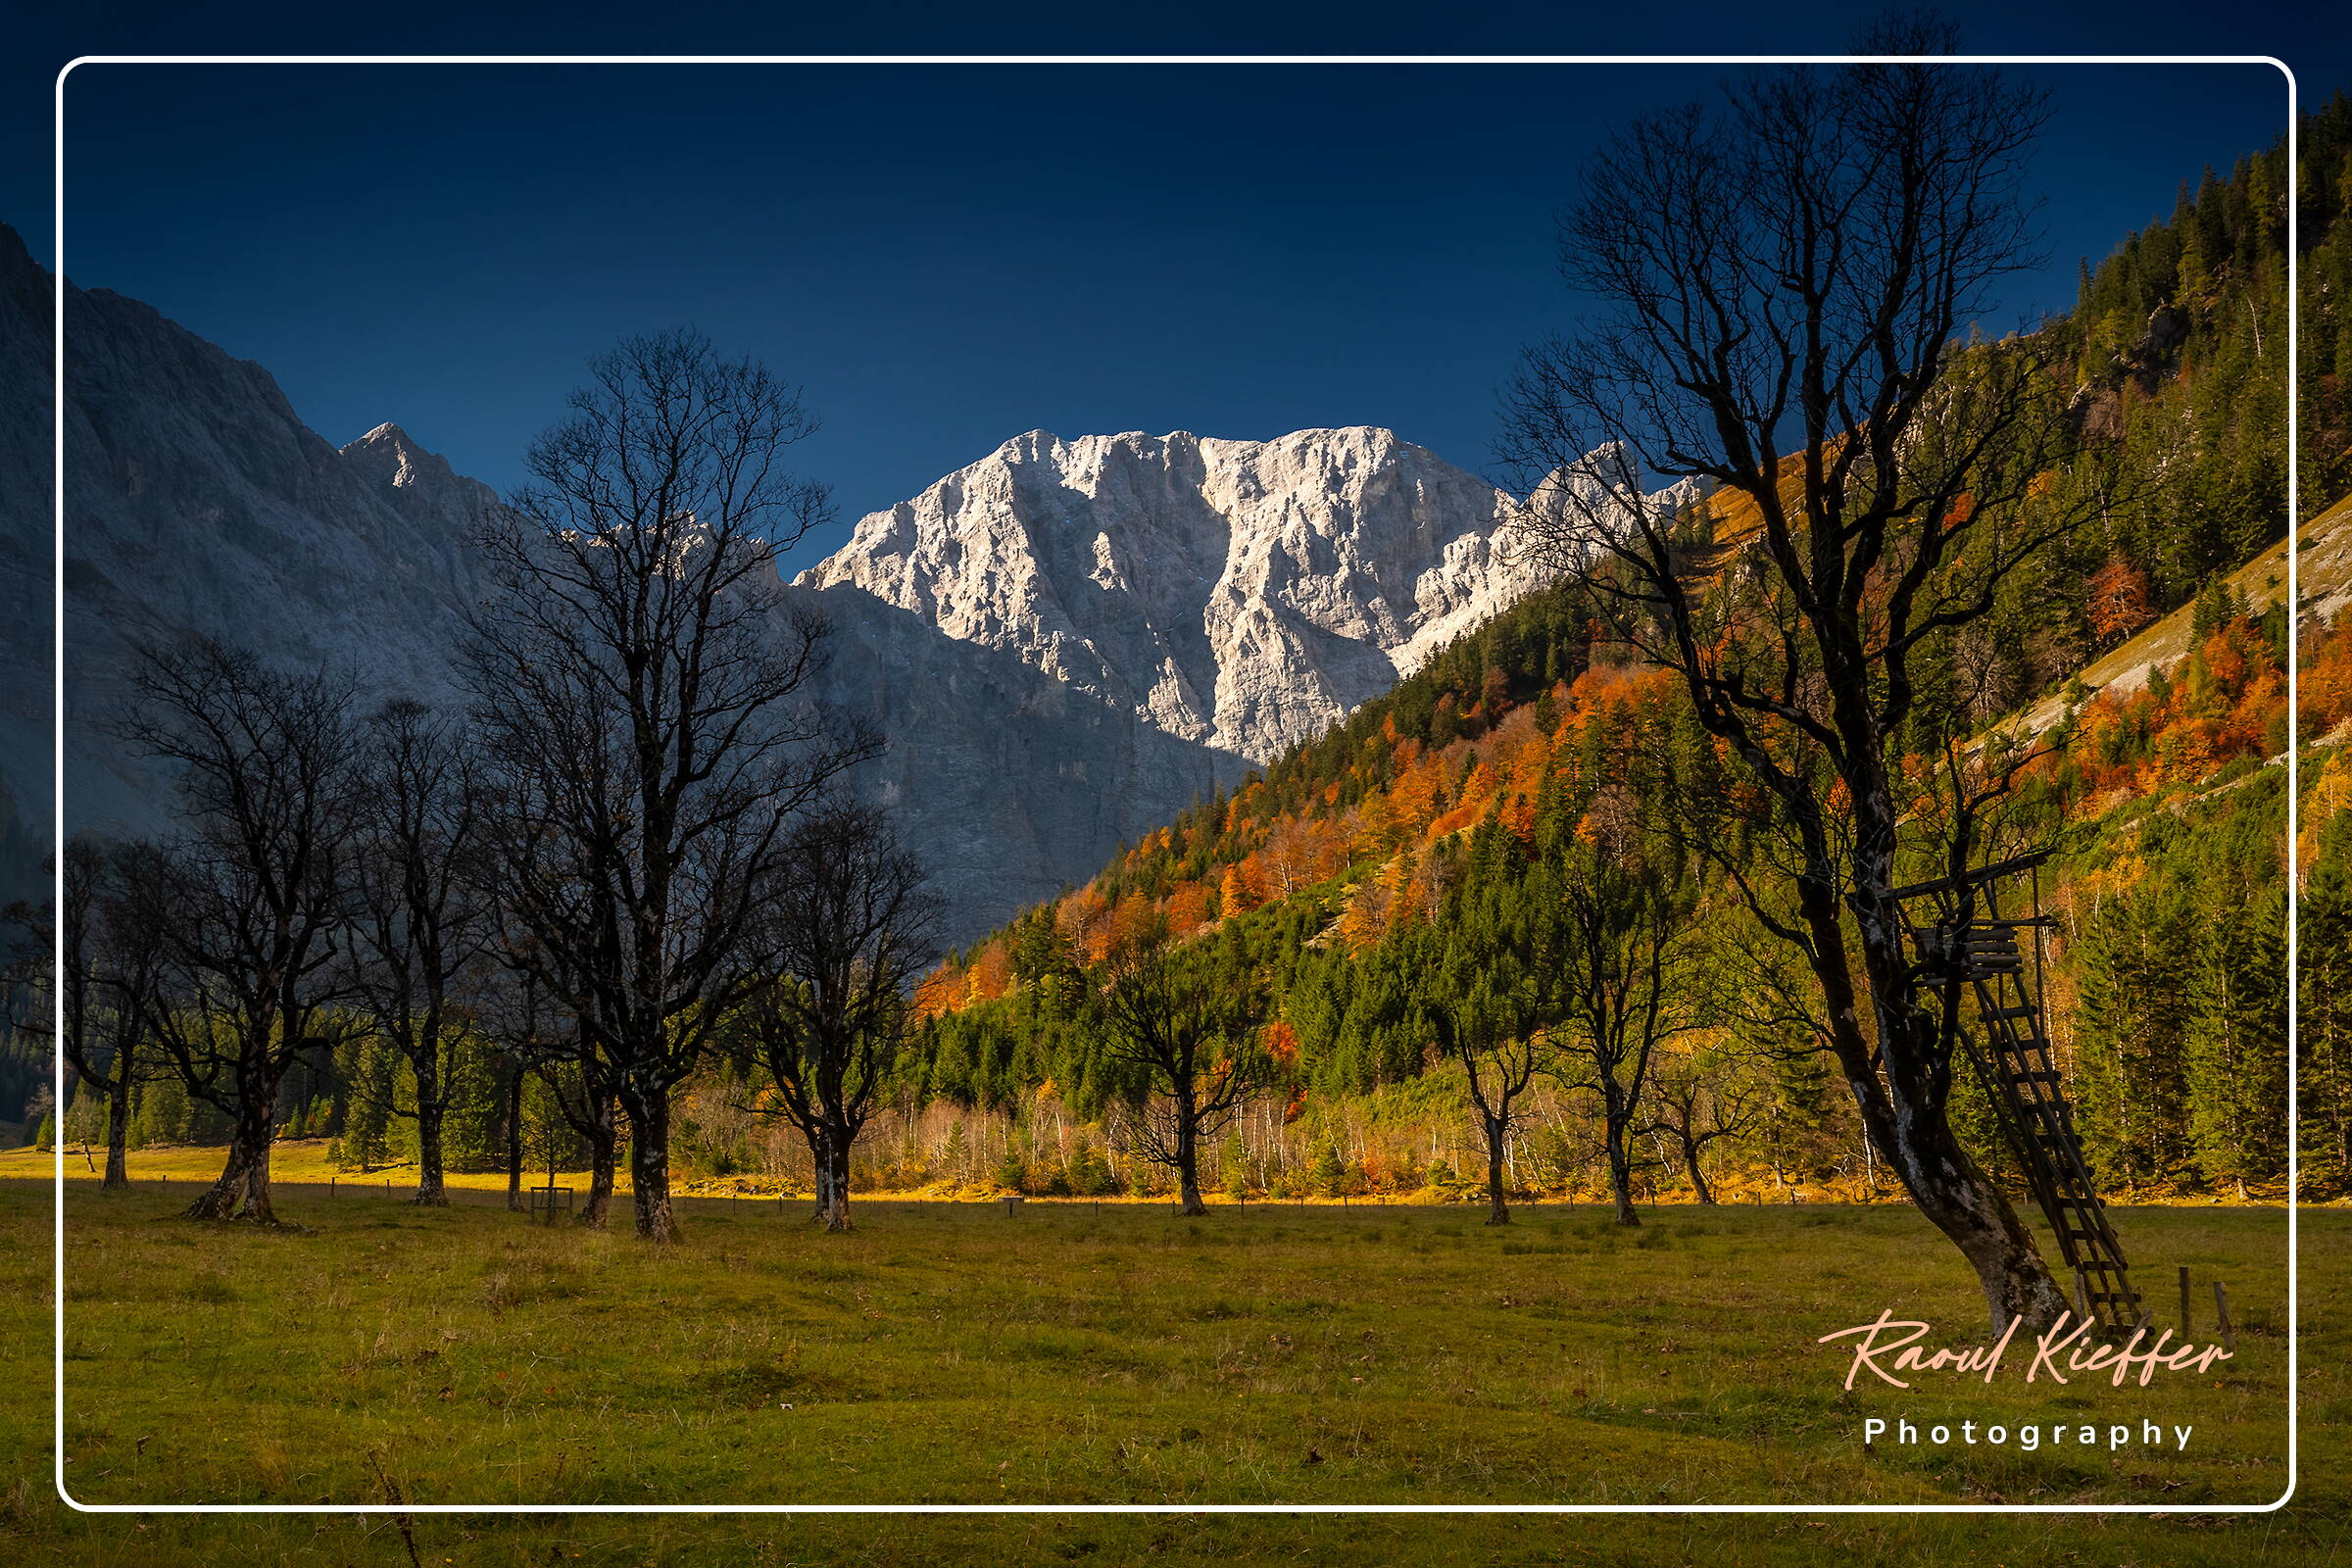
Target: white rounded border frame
(2294,780)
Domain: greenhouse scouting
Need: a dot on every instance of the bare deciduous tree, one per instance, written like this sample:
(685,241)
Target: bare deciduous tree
(29,980)
(639,687)
(421,923)
(851,928)
(251,899)
(1783,281)
(1190,1036)
(1621,982)
(545,1041)
(1703,1097)
(113,982)
(1491,997)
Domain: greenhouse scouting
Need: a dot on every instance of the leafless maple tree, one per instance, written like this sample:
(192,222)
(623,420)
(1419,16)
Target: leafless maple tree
(1622,981)
(640,689)
(421,922)
(113,982)
(1189,1034)
(1784,281)
(851,928)
(251,897)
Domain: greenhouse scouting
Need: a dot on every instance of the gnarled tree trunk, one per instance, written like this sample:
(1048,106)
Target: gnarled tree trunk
(1905,1104)
(830,1148)
(649,1165)
(1188,1157)
(1698,1179)
(514,1143)
(1616,1112)
(603,1142)
(118,1123)
(429,1187)
(243,1190)
(1498,1131)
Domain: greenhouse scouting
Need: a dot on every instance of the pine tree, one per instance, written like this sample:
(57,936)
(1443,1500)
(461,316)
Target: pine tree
(2323,1084)
(2234,1047)
(2130,1033)
(1328,1174)
(367,1067)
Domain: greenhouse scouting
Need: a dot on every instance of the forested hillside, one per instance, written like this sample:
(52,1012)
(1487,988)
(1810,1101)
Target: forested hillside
(1352,873)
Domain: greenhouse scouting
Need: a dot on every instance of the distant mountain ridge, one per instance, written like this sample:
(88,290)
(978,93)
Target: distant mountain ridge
(1065,642)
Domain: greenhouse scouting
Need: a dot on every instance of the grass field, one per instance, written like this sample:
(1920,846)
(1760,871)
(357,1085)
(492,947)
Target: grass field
(955,1354)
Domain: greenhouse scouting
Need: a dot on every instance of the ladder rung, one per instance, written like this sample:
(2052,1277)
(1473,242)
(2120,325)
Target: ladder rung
(2026,1011)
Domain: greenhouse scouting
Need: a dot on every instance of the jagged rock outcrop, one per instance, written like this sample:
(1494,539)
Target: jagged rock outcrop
(1244,595)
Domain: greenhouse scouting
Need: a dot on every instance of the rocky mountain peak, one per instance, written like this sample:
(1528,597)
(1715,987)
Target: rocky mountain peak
(1239,594)
(419,484)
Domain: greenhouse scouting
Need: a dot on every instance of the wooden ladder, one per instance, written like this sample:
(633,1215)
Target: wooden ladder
(2020,1074)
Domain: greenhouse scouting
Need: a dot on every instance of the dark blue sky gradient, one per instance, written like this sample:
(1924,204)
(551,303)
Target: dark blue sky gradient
(947,256)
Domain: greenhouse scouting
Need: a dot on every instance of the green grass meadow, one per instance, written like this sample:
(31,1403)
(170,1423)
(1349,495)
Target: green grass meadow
(955,1354)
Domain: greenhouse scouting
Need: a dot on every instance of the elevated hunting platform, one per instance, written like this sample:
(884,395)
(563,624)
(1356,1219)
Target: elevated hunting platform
(1969,942)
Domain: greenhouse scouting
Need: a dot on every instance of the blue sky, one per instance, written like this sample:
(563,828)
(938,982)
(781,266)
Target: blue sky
(947,256)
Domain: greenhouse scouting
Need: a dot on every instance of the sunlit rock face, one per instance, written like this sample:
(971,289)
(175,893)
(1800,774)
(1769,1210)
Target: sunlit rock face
(1069,641)
(1243,595)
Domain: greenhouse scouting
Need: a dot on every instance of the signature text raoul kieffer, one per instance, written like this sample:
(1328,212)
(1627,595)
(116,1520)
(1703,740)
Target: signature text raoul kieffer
(2069,1349)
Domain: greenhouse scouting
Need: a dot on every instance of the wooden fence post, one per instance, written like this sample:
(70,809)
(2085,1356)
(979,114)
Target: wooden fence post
(2221,1307)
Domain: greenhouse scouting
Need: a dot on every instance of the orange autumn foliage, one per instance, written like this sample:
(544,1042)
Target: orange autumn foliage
(2120,601)
(990,974)
(1186,909)
(2325,683)
(1232,892)
(939,992)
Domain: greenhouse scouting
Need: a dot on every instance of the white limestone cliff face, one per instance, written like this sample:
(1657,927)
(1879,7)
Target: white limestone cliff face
(1240,595)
